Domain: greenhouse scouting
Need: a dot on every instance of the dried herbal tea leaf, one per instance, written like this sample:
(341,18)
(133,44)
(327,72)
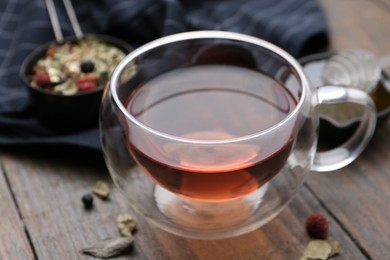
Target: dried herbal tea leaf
(335,245)
(317,249)
(109,247)
(70,64)
(101,189)
(126,224)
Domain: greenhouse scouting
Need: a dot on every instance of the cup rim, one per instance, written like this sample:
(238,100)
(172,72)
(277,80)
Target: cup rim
(208,35)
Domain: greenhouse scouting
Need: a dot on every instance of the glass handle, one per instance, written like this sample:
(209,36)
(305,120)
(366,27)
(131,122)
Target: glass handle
(347,152)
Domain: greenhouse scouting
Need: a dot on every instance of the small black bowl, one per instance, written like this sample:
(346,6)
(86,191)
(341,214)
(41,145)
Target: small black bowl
(65,113)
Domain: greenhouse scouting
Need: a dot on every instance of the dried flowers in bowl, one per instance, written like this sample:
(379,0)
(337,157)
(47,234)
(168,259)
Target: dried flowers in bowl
(74,67)
(66,81)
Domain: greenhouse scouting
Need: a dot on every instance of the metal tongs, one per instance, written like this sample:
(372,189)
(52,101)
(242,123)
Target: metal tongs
(56,23)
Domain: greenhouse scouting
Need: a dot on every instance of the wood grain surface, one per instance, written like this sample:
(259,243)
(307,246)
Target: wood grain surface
(48,189)
(42,216)
(14,242)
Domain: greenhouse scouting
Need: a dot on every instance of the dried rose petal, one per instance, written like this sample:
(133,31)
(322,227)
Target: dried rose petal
(86,86)
(42,79)
(88,77)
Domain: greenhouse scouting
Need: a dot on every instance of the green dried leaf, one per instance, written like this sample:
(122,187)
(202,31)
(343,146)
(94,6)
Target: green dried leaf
(101,189)
(109,247)
(317,249)
(126,224)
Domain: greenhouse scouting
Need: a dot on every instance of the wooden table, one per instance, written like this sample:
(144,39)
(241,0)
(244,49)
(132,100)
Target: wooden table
(40,189)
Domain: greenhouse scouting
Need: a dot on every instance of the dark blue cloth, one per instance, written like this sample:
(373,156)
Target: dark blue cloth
(298,26)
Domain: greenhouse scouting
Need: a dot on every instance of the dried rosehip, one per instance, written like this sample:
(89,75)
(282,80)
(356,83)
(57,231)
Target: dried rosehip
(317,226)
(87,66)
(87,200)
(88,77)
(86,86)
(42,79)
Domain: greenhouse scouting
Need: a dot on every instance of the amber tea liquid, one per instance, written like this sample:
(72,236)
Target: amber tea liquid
(212,103)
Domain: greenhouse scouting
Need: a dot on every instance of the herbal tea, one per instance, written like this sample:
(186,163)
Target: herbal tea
(210,103)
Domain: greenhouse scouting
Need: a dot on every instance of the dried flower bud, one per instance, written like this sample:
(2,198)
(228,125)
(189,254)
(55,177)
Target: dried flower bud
(317,226)
(101,189)
(126,224)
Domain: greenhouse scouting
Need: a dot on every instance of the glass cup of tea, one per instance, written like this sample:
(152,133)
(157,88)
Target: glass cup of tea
(210,134)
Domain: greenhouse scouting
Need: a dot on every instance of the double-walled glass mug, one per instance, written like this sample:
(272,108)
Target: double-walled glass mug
(210,134)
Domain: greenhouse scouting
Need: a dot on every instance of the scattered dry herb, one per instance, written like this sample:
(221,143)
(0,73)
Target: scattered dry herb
(101,189)
(319,249)
(126,224)
(87,200)
(63,68)
(317,226)
(109,247)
